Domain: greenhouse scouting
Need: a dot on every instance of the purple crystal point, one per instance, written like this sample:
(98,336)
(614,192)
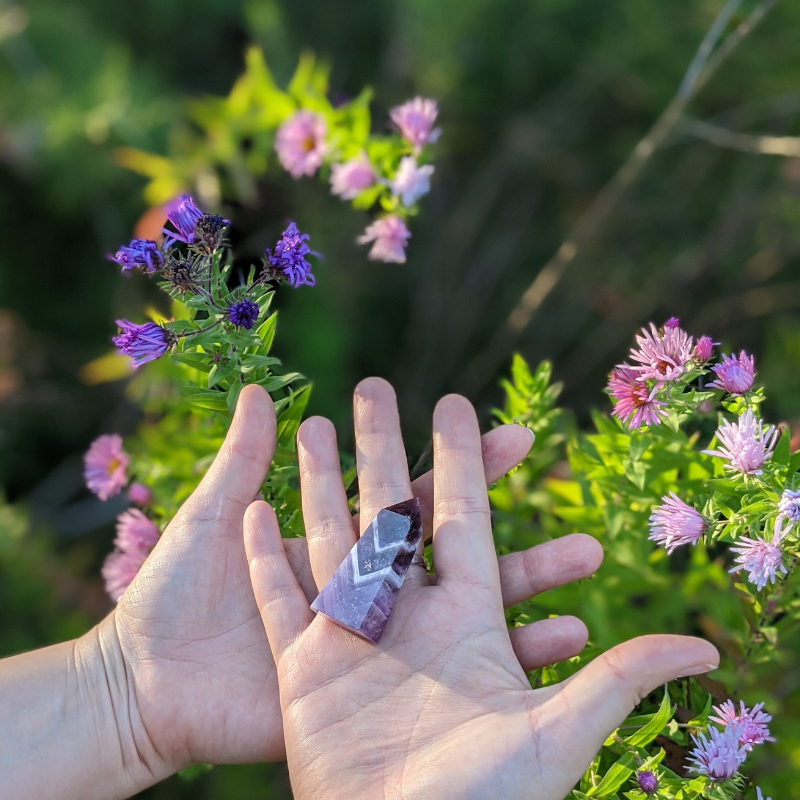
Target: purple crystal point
(360,596)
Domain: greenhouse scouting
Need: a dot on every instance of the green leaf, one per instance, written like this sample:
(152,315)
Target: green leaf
(275,382)
(266,331)
(289,421)
(203,398)
(648,732)
(781,453)
(617,775)
(199,361)
(252,362)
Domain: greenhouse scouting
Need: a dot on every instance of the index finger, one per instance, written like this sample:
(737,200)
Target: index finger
(463,548)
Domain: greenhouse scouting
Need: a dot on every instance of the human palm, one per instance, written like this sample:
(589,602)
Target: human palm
(196,658)
(441,707)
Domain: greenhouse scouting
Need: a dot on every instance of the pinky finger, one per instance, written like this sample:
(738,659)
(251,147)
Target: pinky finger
(543,643)
(283,605)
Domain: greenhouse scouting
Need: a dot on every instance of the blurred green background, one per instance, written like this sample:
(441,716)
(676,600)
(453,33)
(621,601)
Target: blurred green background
(541,101)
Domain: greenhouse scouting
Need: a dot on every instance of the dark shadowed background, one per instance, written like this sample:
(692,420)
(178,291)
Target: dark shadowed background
(541,102)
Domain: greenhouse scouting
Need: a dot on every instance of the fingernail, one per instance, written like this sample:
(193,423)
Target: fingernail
(533,435)
(699,669)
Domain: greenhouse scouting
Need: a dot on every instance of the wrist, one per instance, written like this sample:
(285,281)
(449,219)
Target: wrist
(128,754)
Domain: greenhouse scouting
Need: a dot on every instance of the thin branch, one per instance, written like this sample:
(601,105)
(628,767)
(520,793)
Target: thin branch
(748,143)
(703,65)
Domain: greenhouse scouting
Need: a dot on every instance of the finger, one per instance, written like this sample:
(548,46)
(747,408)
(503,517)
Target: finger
(548,641)
(502,449)
(463,548)
(284,609)
(241,465)
(547,566)
(329,524)
(606,690)
(380,455)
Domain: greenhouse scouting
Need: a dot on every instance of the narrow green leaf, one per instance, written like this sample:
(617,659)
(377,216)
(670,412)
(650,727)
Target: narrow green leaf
(203,398)
(647,733)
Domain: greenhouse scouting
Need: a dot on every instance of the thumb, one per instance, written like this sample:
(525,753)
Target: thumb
(607,689)
(241,465)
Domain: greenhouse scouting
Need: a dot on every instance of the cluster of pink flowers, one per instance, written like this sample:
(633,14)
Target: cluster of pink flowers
(302,148)
(663,357)
(136,537)
(719,755)
(105,471)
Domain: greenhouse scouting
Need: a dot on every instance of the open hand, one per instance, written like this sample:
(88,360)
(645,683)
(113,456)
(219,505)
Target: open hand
(441,708)
(193,677)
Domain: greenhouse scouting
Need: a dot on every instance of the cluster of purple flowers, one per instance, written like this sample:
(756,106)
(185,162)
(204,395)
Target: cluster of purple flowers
(720,754)
(302,147)
(202,235)
(105,472)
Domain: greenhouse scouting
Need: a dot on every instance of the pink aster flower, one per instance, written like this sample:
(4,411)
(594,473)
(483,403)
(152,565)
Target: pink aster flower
(411,181)
(352,177)
(674,523)
(104,466)
(390,236)
(415,119)
(744,444)
(789,505)
(735,373)
(138,493)
(704,349)
(300,143)
(762,560)
(662,356)
(719,756)
(752,724)
(135,531)
(119,570)
(635,404)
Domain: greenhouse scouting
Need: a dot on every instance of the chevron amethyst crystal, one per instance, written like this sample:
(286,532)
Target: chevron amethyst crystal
(360,596)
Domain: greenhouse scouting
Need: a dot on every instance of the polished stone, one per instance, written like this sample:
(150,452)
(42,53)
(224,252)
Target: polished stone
(361,594)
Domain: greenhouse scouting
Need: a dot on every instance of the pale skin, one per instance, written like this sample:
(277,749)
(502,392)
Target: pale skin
(181,671)
(441,708)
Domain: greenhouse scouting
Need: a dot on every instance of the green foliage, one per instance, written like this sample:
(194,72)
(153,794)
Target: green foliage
(606,483)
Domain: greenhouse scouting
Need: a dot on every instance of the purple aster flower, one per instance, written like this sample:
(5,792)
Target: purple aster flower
(762,560)
(635,404)
(143,343)
(411,181)
(105,465)
(289,259)
(139,253)
(138,493)
(184,215)
(704,349)
(752,723)
(210,233)
(135,532)
(672,322)
(390,237)
(300,143)
(352,177)
(744,444)
(719,756)
(735,373)
(647,781)
(119,570)
(244,313)
(414,119)
(662,356)
(674,523)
